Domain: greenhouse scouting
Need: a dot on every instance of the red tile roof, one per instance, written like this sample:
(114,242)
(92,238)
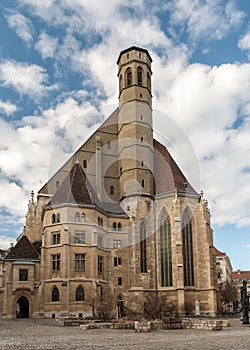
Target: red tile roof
(167,174)
(240,275)
(218,252)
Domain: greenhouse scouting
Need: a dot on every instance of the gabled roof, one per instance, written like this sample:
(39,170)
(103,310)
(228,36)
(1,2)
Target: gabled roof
(241,275)
(73,190)
(167,175)
(23,249)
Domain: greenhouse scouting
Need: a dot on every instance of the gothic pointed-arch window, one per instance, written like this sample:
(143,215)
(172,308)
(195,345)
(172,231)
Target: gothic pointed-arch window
(128,75)
(82,217)
(55,294)
(112,190)
(139,76)
(148,82)
(80,293)
(77,217)
(187,248)
(143,248)
(53,218)
(120,82)
(165,250)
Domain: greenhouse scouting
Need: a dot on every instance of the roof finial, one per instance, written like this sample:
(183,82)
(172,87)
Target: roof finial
(32,196)
(77,159)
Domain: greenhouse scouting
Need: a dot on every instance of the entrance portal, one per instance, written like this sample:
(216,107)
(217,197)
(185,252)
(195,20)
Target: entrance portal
(22,310)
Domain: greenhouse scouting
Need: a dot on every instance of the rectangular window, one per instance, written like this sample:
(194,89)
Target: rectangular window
(56,238)
(56,262)
(119,281)
(23,275)
(117,243)
(100,264)
(99,241)
(117,261)
(79,238)
(80,262)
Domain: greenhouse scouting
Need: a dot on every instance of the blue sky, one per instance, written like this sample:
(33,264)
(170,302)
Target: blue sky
(58,82)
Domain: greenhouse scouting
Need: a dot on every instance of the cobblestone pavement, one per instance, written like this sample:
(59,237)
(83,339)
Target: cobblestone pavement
(34,334)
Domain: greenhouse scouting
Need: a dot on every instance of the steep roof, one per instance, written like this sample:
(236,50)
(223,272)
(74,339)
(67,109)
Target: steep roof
(23,249)
(74,189)
(167,174)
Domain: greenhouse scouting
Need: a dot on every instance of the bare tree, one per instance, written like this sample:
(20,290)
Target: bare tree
(228,294)
(159,306)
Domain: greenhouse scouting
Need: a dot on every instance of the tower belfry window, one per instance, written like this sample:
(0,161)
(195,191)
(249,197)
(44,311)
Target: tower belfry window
(128,77)
(139,76)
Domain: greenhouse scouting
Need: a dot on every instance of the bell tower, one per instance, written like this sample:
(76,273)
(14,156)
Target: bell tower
(135,131)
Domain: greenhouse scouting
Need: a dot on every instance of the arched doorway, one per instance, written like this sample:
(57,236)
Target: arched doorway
(120,306)
(22,309)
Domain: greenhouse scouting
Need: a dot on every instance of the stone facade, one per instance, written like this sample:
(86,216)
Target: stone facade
(119,217)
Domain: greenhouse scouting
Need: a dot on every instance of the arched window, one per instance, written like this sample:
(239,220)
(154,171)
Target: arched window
(187,248)
(142,183)
(139,75)
(53,218)
(55,294)
(77,217)
(82,217)
(112,190)
(57,217)
(120,82)
(100,221)
(119,226)
(148,82)
(80,294)
(141,139)
(120,306)
(108,145)
(142,163)
(85,164)
(128,74)
(165,250)
(114,226)
(143,248)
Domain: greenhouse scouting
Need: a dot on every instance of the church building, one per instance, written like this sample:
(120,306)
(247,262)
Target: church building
(118,217)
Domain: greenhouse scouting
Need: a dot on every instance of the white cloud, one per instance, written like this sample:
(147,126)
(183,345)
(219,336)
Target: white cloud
(209,19)
(26,79)
(21,25)
(244,43)
(212,105)
(46,45)
(7,107)
(32,152)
